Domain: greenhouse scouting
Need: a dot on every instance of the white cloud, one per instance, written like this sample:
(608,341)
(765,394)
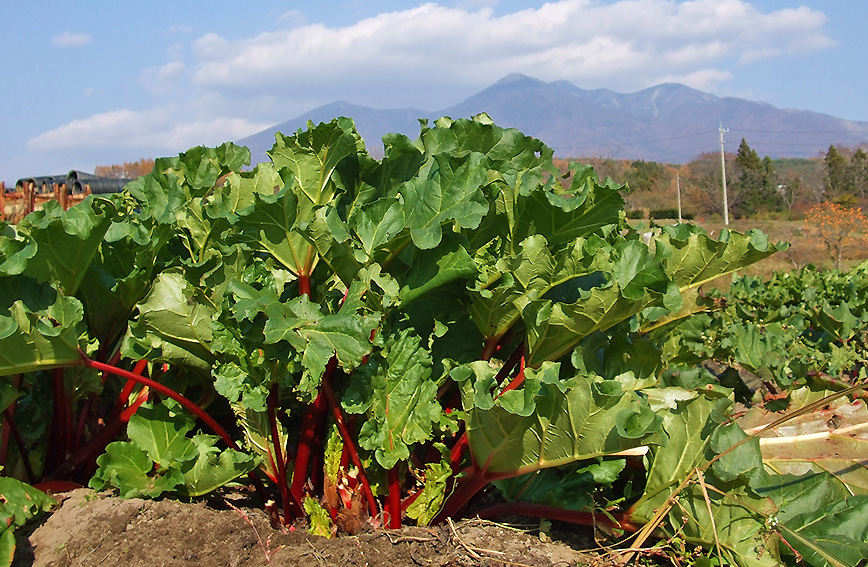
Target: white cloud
(627,45)
(431,56)
(69,39)
(164,80)
(156,130)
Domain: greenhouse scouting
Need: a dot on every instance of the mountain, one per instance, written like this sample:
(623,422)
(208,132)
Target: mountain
(667,123)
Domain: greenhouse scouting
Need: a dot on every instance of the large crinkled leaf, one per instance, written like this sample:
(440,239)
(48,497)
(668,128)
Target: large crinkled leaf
(397,393)
(322,161)
(129,469)
(732,515)
(160,457)
(427,505)
(160,431)
(174,182)
(376,224)
(561,218)
(14,251)
(569,422)
(536,270)
(318,337)
(41,329)
(239,190)
(174,324)
(692,258)
(818,517)
(570,487)
(212,468)
(833,439)
(118,277)
(593,291)
(332,240)
(554,329)
(447,190)
(66,241)
(269,225)
(432,269)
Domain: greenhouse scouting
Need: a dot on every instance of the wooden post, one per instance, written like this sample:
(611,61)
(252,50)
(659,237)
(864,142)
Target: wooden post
(2,201)
(63,191)
(29,198)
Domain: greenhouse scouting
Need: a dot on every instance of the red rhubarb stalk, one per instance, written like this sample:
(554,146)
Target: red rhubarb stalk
(166,391)
(9,423)
(326,388)
(312,417)
(394,499)
(304,285)
(289,509)
(466,489)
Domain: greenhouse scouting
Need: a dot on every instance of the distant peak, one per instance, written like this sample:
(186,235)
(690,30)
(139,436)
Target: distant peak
(513,78)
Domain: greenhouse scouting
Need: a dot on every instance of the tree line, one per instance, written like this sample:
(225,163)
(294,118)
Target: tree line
(757,186)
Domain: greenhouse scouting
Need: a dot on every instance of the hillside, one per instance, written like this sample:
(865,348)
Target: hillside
(666,123)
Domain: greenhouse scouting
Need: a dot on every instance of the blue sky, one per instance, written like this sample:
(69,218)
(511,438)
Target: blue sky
(97,82)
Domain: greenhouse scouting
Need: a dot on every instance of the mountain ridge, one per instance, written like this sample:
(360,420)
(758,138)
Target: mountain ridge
(669,122)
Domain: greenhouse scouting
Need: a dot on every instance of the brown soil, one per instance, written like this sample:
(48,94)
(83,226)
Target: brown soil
(94,529)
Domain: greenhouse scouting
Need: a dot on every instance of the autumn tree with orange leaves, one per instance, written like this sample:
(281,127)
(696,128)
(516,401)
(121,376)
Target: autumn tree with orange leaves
(127,170)
(840,228)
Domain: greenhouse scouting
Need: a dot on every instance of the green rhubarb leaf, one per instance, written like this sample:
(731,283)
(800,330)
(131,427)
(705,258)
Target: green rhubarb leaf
(118,278)
(212,468)
(333,242)
(447,190)
(377,224)
(40,329)
(241,189)
(129,469)
(66,240)
(322,162)
(737,518)
(21,502)
(14,251)
(819,518)
(554,329)
(561,218)
(161,431)
(692,258)
(8,395)
(174,324)
(7,544)
(535,271)
(345,335)
(429,502)
(568,487)
(398,396)
(435,268)
(269,225)
(320,521)
(18,504)
(571,422)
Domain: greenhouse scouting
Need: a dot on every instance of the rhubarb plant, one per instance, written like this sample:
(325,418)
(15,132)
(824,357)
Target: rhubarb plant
(460,315)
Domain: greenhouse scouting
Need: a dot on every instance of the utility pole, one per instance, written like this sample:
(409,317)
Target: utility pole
(678,192)
(722,131)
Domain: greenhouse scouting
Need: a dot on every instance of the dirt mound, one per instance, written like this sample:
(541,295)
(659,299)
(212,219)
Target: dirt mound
(93,529)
